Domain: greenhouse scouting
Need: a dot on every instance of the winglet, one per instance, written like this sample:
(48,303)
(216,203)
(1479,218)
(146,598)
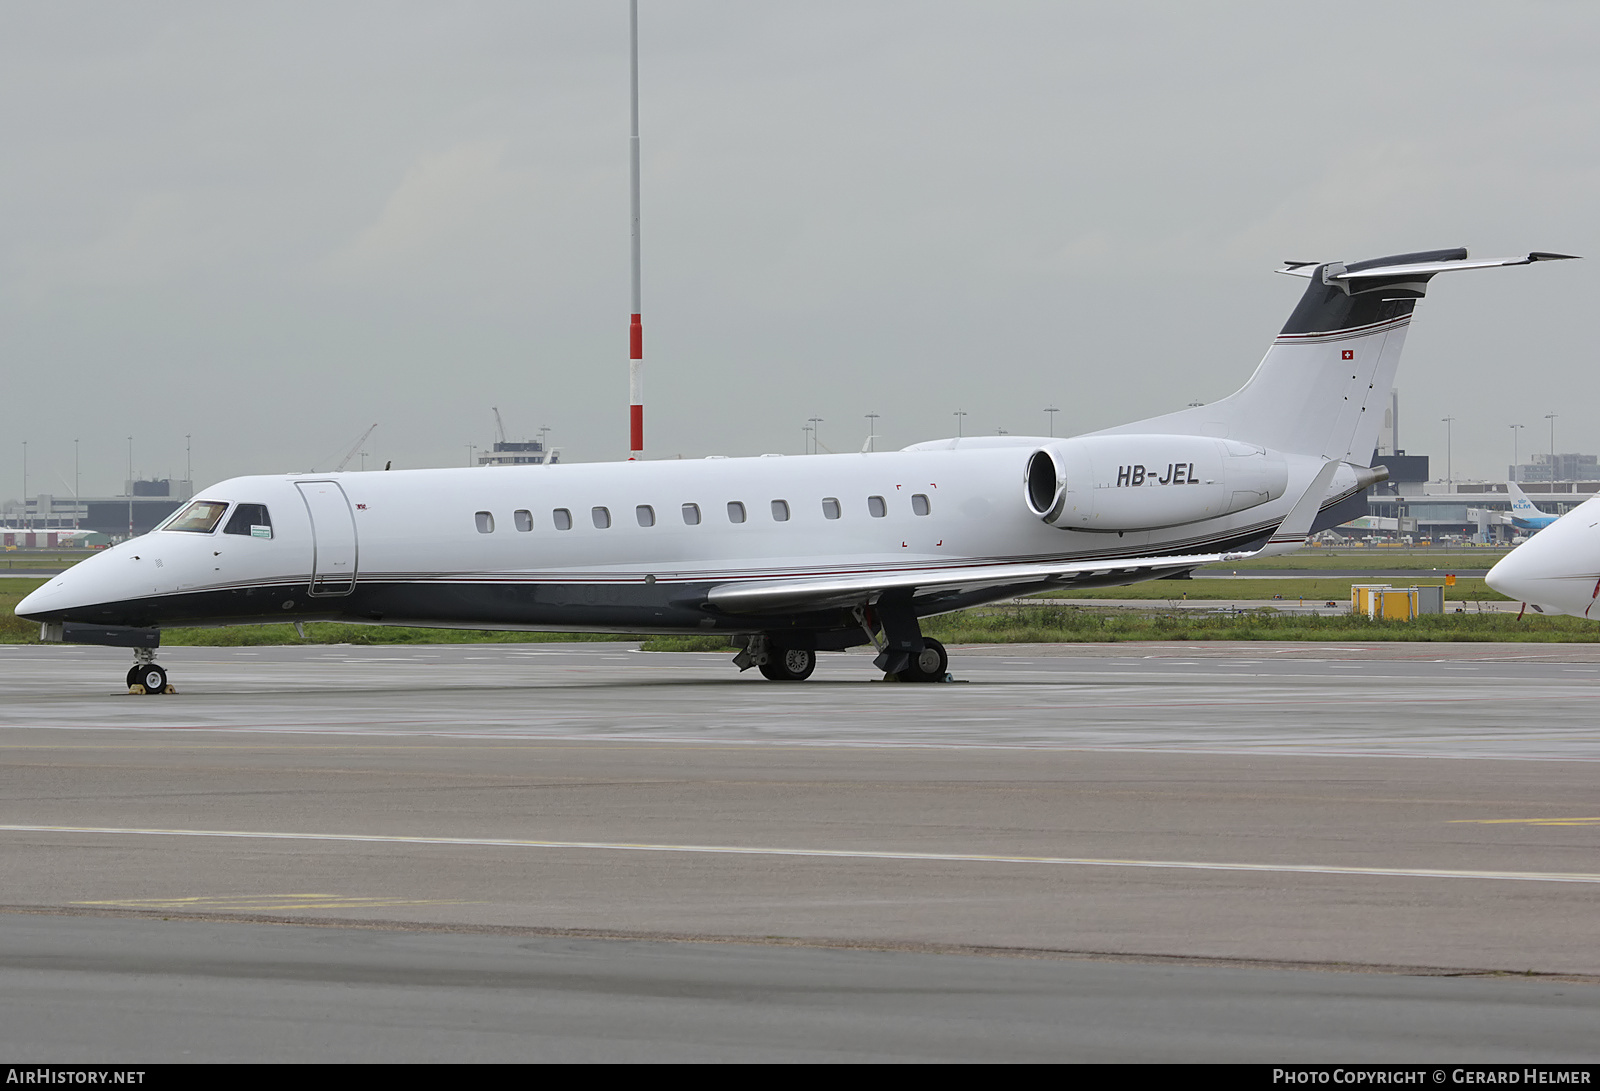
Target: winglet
(1296,526)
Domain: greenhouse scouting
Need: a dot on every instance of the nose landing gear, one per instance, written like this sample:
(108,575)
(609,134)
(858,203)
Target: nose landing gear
(146,675)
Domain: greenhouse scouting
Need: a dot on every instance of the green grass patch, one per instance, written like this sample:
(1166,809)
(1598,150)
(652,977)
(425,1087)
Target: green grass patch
(1098,624)
(13,630)
(1467,589)
(28,559)
(1382,558)
(694,643)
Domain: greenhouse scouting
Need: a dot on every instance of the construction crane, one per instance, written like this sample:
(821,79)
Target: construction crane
(499,427)
(345,461)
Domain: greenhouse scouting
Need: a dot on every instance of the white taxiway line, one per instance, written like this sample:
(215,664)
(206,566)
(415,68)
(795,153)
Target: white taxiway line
(847,854)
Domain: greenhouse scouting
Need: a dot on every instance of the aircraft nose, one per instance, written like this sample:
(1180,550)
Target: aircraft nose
(1513,574)
(1556,568)
(91,581)
(36,605)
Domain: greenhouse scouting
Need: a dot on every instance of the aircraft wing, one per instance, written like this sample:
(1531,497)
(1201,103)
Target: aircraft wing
(866,588)
(857,589)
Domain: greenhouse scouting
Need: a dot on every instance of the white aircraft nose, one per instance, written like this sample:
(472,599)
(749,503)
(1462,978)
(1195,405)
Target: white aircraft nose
(91,581)
(35,605)
(1513,574)
(1558,568)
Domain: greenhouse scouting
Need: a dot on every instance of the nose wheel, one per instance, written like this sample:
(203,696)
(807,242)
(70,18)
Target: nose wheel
(147,676)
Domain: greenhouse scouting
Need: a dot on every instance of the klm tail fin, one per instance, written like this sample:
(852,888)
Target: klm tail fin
(1321,387)
(1521,505)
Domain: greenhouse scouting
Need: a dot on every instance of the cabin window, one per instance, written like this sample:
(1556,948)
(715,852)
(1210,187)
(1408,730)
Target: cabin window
(830,507)
(485,523)
(876,507)
(735,511)
(200,517)
(646,515)
(523,519)
(919,503)
(691,515)
(251,520)
(601,517)
(562,518)
(780,511)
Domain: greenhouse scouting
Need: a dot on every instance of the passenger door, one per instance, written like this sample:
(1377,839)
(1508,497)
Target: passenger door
(333,530)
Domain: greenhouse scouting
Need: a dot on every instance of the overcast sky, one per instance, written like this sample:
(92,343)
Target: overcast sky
(269,226)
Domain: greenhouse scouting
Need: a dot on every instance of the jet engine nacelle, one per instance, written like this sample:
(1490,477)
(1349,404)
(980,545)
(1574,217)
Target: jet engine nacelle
(1132,482)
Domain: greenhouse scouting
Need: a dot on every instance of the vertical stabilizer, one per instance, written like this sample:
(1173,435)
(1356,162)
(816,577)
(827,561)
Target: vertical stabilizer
(1322,387)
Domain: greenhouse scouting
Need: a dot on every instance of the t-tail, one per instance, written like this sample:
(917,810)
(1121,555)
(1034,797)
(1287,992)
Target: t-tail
(1322,386)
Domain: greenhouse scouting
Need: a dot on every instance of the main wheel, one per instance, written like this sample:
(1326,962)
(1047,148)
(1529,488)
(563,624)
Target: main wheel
(152,677)
(927,665)
(790,665)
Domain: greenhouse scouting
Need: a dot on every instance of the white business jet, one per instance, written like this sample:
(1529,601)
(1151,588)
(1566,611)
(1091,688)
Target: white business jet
(790,556)
(1557,571)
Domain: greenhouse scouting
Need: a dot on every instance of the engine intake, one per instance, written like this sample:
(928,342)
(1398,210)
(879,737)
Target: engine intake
(1120,483)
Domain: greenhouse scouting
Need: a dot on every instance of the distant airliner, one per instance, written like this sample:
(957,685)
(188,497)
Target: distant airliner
(790,556)
(1558,570)
(1523,514)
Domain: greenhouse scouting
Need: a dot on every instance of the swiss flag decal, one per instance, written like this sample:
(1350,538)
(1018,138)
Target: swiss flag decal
(1348,354)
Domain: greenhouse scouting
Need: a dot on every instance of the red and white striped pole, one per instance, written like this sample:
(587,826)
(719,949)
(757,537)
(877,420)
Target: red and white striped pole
(636,328)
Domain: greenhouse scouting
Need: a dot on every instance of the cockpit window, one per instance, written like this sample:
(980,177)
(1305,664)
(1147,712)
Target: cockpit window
(249,519)
(199,517)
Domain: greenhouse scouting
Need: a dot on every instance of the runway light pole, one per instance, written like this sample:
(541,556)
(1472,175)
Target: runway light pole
(1052,411)
(1515,469)
(958,414)
(816,434)
(636,326)
(1551,417)
(1449,466)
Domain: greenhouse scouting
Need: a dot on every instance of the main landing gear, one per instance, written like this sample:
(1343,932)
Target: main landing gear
(904,654)
(928,665)
(789,665)
(776,664)
(146,675)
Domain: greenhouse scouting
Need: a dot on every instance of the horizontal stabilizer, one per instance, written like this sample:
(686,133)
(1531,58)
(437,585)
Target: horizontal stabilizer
(1335,272)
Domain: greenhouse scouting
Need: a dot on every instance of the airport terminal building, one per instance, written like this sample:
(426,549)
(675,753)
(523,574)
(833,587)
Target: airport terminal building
(142,505)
